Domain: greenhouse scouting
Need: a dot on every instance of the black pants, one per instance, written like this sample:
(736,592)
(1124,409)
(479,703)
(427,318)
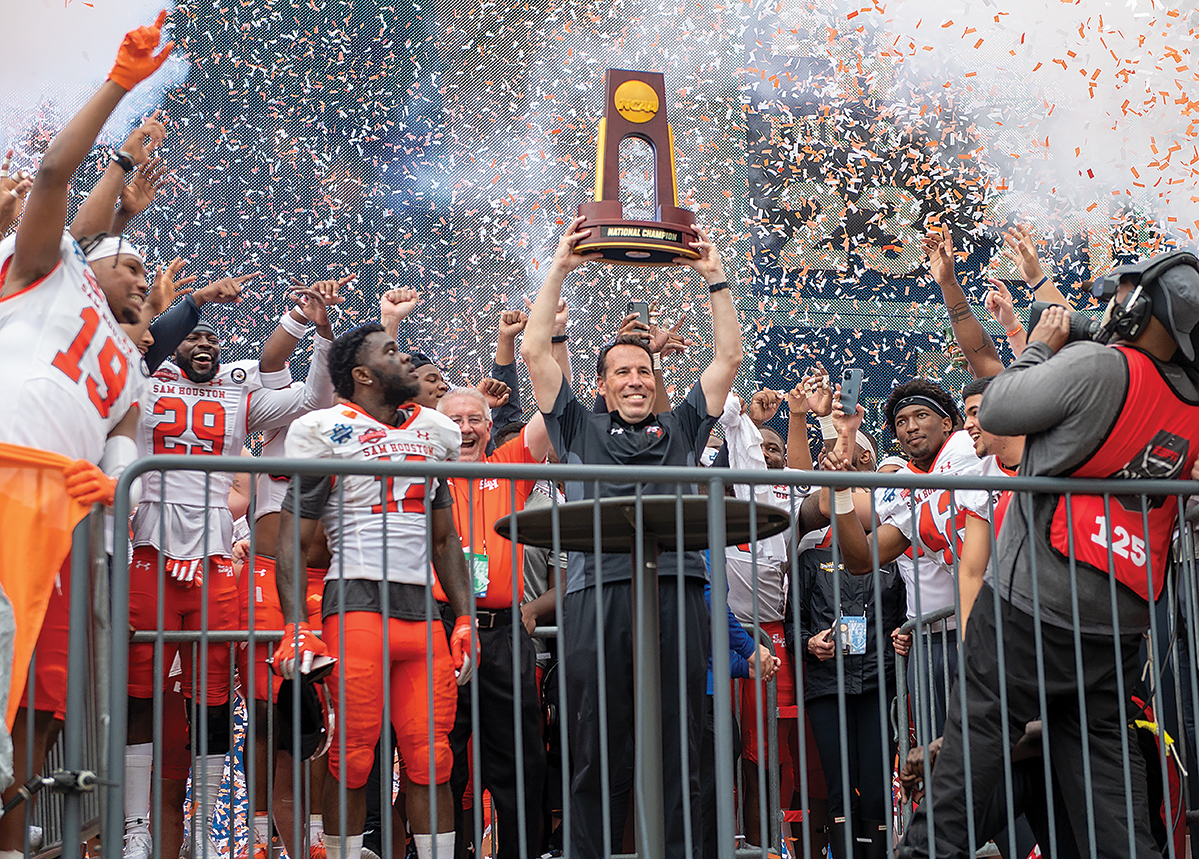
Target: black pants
(869,746)
(1063,736)
(707,778)
(496,738)
(586,718)
(1029,801)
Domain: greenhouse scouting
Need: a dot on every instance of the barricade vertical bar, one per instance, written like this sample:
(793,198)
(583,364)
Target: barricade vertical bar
(924,713)
(158,697)
(1156,669)
(559,613)
(1192,634)
(601,673)
(759,687)
(431,615)
(805,825)
(684,738)
(523,834)
(1085,733)
(476,748)
(77,648)
(845,812)
(647,692)
(1121,691)
(1005,733)
(342,828)
(721,699)
(102,626)
(1042,699)
(954,546)
(386,492)
(250,754)
(880,643)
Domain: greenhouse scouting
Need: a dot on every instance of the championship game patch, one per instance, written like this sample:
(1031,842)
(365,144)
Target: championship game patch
(341,433)
(238,375)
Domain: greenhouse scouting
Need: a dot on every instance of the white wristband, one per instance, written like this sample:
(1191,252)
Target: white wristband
(842,501)
(828,432)
(657,361)
(296,329)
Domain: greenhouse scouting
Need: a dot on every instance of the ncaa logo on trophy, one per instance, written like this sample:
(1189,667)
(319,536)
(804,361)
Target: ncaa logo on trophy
(635,106)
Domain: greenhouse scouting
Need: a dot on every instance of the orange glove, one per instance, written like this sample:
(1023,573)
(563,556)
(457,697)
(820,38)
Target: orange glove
(284,660)
(136,59)
(87,484)
(464,647)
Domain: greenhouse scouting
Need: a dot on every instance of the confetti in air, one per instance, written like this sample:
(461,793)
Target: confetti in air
(444,145)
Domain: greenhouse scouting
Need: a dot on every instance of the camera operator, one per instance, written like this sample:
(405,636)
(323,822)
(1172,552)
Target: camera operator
(1128,409)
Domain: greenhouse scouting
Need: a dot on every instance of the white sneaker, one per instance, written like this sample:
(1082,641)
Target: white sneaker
(138,843)
(208,849)
(35,838)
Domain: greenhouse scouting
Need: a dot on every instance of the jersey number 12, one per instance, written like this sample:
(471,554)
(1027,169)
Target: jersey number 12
(396,498)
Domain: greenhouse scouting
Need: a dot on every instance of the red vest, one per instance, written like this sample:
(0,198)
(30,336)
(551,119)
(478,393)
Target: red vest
(1155,436)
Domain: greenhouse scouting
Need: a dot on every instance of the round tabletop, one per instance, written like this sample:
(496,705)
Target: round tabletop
(618,518)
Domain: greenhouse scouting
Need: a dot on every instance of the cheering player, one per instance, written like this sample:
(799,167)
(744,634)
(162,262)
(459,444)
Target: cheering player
(69,379)
(378,531)
(199,406)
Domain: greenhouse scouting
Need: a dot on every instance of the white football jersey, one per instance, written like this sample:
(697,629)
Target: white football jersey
(270,490)
(941,523)
(68,372)
(356,530)
(744,441)
(771,560)
(209,418)
(979,501)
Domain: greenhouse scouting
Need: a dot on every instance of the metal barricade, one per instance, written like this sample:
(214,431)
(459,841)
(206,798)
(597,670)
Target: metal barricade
(62,804)
(642,773)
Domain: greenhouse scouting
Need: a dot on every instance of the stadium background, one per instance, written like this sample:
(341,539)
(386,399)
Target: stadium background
(443,145)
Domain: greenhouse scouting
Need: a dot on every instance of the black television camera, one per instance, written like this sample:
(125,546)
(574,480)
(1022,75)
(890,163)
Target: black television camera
(1121,320)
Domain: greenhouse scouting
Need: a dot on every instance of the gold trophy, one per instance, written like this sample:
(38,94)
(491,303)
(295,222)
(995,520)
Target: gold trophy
(635,106)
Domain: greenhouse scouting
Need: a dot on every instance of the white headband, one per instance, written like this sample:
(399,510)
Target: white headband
(865,443)
(893,460)
(111,246)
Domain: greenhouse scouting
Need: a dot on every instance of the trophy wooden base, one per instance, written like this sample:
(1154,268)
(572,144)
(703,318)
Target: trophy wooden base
(645,243)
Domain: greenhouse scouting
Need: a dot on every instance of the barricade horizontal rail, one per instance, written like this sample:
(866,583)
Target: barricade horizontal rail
(812,744)
(659,475)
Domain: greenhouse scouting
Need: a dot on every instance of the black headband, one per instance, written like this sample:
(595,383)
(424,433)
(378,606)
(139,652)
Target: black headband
(420,359)
(919,400)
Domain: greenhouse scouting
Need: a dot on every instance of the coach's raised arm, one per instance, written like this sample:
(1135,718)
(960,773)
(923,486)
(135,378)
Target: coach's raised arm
(544,371)
(634,434)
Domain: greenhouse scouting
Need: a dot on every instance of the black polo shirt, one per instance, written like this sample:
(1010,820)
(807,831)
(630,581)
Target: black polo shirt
(581,436)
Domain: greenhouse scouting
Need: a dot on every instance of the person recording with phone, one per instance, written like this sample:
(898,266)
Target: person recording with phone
(1118,400)
(839,611)
(926,527)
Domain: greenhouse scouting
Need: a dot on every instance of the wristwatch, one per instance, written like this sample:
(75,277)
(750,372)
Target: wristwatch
(123,158)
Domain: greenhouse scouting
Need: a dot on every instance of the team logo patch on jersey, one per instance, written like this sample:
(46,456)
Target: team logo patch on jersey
(372,435)
(238,375)
(166,375)
(341,433)
(655,431)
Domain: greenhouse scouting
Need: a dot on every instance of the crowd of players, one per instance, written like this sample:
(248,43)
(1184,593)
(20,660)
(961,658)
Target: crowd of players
(313,553)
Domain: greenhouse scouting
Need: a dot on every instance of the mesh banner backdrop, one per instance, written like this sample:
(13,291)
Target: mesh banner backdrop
(443,146)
